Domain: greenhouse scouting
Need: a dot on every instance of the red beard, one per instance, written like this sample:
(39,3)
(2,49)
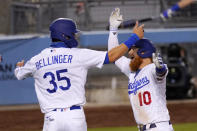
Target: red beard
(135,63)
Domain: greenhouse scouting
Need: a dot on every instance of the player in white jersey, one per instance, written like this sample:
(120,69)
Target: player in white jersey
(147,81)
(60,74)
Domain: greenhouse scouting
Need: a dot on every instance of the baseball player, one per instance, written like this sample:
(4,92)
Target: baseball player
(147,81)
(60,74)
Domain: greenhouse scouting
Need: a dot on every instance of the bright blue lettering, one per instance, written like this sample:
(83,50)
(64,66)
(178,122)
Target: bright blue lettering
(40,63)
(37,65)
(141,82)
(145,79)
(55,59)
(70,58)
(44,62)
(129,87)
(60,59)
(137,84)
(65,59)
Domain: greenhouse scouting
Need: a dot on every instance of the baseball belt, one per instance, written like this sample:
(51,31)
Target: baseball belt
(64,109)
(149,126)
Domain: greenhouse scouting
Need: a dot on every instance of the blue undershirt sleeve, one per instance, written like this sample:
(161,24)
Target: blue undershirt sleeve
(106,61)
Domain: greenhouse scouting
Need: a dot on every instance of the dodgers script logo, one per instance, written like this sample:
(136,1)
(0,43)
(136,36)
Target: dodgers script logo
(137,84)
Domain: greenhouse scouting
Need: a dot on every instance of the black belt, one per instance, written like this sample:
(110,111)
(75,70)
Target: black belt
(152,125)
(64,109)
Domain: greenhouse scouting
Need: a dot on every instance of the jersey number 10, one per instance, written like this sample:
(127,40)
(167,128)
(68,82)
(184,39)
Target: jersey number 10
(59,78)
(145,98)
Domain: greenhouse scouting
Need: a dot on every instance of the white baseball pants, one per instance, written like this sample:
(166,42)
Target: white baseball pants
(160,126)
(67,120)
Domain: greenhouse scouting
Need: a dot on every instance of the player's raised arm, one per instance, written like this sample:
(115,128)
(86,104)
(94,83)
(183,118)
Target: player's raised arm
(115,20)
(172,11)
(117,52)
(161,69)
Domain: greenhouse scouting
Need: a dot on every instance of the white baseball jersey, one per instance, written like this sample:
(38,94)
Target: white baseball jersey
(60,75)
(147,96)
(146,92)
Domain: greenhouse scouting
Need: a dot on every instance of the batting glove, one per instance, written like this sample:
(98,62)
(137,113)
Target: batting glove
(160,67)
(167,14)
(157,60)
(115,19)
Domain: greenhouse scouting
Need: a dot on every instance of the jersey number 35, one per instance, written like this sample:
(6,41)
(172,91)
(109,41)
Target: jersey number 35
(59,78)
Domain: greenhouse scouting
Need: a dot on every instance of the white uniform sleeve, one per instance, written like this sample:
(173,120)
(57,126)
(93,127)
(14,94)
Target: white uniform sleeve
(112,40)
(26,71)
(123,62)
(91,58)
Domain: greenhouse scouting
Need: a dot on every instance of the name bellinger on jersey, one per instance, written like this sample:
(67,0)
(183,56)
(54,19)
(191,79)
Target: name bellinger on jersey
(56,59)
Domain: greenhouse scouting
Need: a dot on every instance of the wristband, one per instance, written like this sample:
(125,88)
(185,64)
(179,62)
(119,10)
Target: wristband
(165,14)
(162,70)
(175,8)
(131,41)
(168,13)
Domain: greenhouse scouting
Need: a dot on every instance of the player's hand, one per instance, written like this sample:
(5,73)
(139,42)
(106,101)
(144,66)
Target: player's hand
(139,30)
(115,19)
(157,60)
(167,14)
(20,63)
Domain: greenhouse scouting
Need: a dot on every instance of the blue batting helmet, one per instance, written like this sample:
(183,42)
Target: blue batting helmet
(146,48)
(64,29)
